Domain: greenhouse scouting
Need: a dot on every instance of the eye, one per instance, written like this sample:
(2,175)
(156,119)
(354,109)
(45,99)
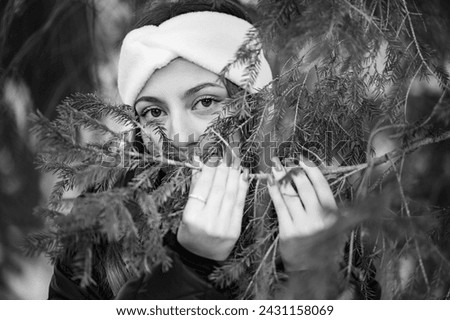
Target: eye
(207,102)
(154,112)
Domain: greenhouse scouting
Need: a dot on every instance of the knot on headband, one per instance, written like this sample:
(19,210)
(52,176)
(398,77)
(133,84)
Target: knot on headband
(208,39)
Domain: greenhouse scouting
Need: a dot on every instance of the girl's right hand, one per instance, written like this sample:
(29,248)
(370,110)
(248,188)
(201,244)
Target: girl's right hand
(211,222)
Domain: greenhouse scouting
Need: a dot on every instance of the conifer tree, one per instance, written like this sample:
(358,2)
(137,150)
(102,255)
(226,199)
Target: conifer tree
(346,69)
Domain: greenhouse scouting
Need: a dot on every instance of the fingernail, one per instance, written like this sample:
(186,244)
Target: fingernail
(298,171)
(245,174)
(228,159)
(214,161)
(236,163)
(304,162)
(289,162)
(196,162)
(278,166)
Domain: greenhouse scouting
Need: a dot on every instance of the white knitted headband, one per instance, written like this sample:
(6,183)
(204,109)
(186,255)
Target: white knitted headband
(208,39)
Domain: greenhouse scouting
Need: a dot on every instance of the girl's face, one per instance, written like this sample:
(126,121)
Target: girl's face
(183,99)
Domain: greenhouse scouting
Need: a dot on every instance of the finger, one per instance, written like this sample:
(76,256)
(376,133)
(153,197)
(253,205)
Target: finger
(236,163)
(320,184)
(228,157)
(217,189)
(201,189)
(231,190)
(306,191)
(239,204)
(279,172)
(194,179)
(196,161)
(229,196)
(290,196)
(195,175)
(285,220)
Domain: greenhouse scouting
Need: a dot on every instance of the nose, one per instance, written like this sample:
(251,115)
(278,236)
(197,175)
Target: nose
(182,131)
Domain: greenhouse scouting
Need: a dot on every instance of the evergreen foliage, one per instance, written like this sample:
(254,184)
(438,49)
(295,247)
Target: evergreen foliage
(17,178)
(348,69)
(49,45)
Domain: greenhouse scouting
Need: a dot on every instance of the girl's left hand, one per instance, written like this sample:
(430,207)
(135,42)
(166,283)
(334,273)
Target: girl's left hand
(301,213)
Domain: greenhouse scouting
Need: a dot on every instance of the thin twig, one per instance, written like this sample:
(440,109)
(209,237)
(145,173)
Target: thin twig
(436,106)
(381,179)
(269,250)
(225,142)
(331,170)
(350,255)
(416,42)
(166,161)
(392,154)
(408,213)
(364,15)
(377,131)
(344,177)
(408,93)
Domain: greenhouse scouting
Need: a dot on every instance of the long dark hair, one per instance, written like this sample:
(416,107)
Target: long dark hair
(115,270)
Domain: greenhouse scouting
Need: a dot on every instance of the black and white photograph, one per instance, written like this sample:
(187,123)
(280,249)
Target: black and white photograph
(225,150)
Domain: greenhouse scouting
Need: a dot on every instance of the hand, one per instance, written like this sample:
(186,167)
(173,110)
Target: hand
(211,222)
(301,213)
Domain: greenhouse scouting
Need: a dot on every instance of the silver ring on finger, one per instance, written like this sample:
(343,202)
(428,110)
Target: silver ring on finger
(289,194)
(201,199)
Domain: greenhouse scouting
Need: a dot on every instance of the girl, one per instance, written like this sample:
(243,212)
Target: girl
(171,72)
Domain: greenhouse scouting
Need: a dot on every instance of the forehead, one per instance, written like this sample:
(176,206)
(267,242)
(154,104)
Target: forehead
(178,76)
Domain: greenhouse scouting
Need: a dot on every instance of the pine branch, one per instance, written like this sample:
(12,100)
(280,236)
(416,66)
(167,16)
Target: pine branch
(412,146)
(350,170)
(97,109)
(342,42)
(408,212)
(369,19)
(261,265)
(435,108)
(419,50)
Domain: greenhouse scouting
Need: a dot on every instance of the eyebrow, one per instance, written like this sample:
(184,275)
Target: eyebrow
(147,99)
(201,86)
